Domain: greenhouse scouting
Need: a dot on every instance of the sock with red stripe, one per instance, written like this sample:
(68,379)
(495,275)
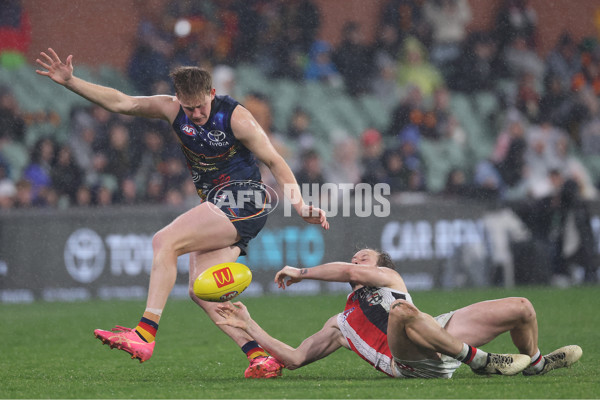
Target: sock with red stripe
(146,330)
(472,356)
(537,362)
(253,350)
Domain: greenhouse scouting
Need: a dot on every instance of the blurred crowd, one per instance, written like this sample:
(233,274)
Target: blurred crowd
(422,55)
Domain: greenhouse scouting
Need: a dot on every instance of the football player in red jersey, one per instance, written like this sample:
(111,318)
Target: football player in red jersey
(382,325)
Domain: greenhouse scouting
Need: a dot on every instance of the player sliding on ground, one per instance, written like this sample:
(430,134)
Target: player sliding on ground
(382,325)
(220,140)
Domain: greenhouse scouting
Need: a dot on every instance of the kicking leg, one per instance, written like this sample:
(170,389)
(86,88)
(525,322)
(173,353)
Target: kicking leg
(261,364)
(202,228)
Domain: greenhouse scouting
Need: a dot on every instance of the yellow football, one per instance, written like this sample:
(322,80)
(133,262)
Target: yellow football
(222,282)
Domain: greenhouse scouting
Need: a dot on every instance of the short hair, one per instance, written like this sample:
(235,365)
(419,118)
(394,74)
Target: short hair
(191,82)
(385,260)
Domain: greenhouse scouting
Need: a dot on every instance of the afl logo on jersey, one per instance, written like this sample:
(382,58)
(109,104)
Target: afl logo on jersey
(189,130)
(216,136)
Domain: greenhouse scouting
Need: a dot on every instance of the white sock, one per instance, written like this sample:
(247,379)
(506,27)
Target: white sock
(472,356)
(537,361)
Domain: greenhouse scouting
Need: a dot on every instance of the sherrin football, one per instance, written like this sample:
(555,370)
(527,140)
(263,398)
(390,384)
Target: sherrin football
(222,282)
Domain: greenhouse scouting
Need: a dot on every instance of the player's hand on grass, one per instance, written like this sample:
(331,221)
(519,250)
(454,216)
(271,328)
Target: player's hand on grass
(235,315)
(287,276)
(55,69)
(314,215)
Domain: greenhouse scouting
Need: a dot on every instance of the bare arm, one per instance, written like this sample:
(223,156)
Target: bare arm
(249,132)
(162,107)
(342,272)
(313,348)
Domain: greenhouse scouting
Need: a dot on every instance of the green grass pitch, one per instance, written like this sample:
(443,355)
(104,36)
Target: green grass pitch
(47,350)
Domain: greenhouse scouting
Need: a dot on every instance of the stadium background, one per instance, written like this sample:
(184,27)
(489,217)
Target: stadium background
(39,261)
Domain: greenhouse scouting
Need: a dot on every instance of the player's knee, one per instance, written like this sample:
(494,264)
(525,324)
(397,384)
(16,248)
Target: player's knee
(403,311)
(161,242)
(522,309)
(526,309)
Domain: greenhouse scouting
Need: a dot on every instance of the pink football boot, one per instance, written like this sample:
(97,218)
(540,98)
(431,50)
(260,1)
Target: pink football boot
(263,367)
(126,339)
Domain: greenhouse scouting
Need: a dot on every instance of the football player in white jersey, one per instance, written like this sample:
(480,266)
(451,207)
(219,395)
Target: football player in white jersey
(382,325)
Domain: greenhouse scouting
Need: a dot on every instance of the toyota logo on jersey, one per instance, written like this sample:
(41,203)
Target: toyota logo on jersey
(189,130)
(216,136)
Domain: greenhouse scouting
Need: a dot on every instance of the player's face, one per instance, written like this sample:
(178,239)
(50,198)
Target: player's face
(198,109)
(366,257)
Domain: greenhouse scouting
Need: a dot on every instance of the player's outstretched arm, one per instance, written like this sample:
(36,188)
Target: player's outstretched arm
(341,272)
(163,107)
(313,348)
(250,133)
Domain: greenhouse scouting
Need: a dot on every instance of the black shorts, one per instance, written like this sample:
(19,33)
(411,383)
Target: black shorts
(248,213)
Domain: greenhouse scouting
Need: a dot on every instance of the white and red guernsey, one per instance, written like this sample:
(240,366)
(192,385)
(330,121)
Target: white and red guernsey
(364,324)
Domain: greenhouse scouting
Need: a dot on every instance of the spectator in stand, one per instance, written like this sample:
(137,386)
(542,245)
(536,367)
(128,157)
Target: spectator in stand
(415,69)
(302,21)
(11,121)
(384,85)
(388,45)
(344,165)
(310,178)
(572,168)
(153,154)
(516,18)
(557,103)
(83,198)
(174,173)
(8,190)
(407,17)
(356,75)
(287,32)
(449,20)
(457,185)
(589,131)
(299,129)
(154,191)
(510,148)
(487,182)
(320,66)
(153,50)
(104,195)
(589,75)
(520,59)
(66,176)
(311,170)
(564,61)
(408,111)
(372,157)
(528,96)
(24,195)
(120,153)
(127,194)
(39,169)
(476,69)
(397,174)
(547,151)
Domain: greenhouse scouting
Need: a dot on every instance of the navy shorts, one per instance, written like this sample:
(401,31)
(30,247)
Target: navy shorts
(246,204)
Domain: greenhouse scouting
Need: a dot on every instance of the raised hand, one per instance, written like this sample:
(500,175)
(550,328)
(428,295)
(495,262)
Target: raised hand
(314,215)
(55,69)
(235,315)
(293,275)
